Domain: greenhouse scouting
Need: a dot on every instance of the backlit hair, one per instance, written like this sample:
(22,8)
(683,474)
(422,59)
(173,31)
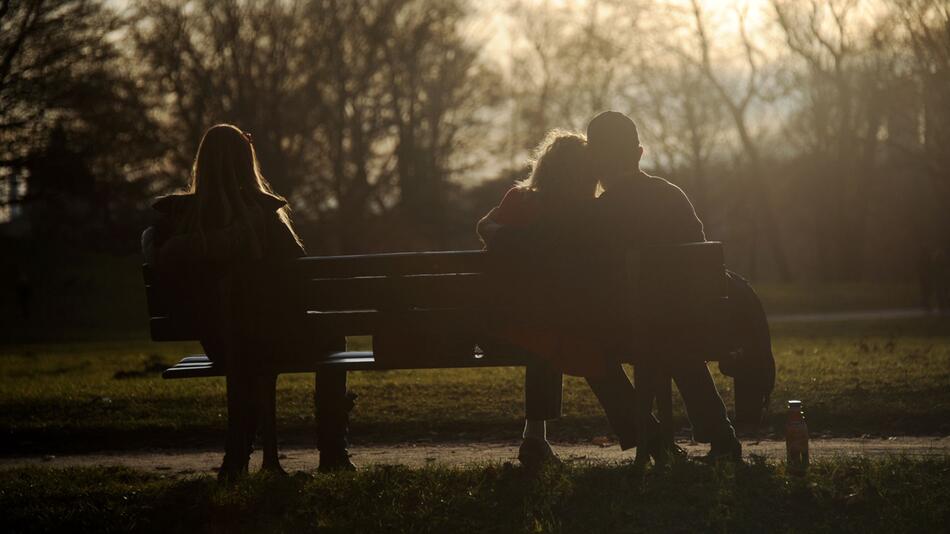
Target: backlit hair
(560,167)
(226,180)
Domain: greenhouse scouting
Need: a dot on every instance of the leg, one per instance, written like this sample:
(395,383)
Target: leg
(620,402)
(267,415)
(704,406)
(542,399)
(644,375)
(332,405)
(542,392)
(238,442)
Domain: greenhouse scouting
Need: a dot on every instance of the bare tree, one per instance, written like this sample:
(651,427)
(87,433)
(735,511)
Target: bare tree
(73,127)
(841,116)
(574,62)
(357,108)
(926,25)
(738,100)
(683,122)
(226,61)
(437,88)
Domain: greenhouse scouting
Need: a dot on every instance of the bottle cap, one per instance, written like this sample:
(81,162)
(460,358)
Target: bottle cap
(795,405)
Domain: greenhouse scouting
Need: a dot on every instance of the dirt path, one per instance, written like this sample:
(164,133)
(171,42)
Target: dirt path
(188,462)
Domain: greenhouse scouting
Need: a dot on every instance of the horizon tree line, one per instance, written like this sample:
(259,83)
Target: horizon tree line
(811,135)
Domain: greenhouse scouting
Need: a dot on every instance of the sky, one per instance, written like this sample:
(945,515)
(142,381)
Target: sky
(493,22)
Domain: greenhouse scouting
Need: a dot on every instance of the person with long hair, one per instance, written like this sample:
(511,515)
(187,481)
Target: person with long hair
(215,246)
(560,180)
(545,210)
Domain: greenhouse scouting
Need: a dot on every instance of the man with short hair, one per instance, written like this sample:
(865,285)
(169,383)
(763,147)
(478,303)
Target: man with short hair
(638,210)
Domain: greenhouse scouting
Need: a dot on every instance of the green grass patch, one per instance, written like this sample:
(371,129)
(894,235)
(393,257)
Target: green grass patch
(876,378)
(839,296)
(838,495)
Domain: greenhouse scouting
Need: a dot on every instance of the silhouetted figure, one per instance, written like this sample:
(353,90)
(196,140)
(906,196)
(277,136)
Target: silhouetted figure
(635,211)
(215,246)
(560,187)
(638,210)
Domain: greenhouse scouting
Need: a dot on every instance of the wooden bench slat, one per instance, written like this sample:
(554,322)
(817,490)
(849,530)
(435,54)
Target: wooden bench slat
(398,292)
(201,366)
(393,264)
(368,322)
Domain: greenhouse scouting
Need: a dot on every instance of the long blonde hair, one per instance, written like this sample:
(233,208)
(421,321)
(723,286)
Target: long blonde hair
(560,168)
(226,181)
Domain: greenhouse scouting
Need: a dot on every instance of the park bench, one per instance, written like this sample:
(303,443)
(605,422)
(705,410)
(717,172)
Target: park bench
(438,306)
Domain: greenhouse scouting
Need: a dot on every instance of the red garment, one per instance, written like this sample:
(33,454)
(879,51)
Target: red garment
(571,352)
(520,207)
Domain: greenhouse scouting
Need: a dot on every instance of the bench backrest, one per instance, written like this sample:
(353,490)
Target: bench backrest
(455,290)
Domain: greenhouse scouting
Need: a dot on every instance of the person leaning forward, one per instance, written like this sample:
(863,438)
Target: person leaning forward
(637,210)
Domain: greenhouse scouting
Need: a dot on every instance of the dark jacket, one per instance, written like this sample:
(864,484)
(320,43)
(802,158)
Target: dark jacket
(645,210)
(231,292)
(175,247)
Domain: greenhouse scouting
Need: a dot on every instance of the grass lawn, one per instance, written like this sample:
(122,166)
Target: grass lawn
(876,378)
(841,495)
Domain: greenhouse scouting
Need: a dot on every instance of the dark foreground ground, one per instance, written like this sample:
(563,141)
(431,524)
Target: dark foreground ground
(843,495)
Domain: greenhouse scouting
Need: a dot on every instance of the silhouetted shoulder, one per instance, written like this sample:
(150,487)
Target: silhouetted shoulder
(665,187)
(648,210)
(178,202)
(683,224)
(173,203)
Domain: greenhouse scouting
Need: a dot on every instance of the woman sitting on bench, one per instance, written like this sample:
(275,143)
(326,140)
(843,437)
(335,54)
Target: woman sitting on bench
(549,205)
(213,245)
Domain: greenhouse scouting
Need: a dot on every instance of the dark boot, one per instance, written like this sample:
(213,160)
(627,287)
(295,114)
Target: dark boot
(535,453)
(725,450)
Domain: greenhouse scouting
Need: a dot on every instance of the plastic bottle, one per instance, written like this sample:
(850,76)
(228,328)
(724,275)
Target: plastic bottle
(796,438)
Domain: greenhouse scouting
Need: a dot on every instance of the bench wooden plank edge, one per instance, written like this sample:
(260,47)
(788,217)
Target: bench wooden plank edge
(200,366)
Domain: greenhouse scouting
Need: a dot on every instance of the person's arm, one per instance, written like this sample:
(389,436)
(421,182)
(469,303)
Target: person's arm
(509,214)
(281,242)
(487,227)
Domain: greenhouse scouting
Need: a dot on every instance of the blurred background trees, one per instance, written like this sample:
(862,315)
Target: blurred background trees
(813,136)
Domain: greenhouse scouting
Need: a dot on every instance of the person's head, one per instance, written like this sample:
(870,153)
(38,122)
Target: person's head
(560,169)
(226,178)
(226,167)
(614,145)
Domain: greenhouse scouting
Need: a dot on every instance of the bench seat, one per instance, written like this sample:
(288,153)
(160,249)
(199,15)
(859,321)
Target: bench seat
(429,310)
(199,365)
